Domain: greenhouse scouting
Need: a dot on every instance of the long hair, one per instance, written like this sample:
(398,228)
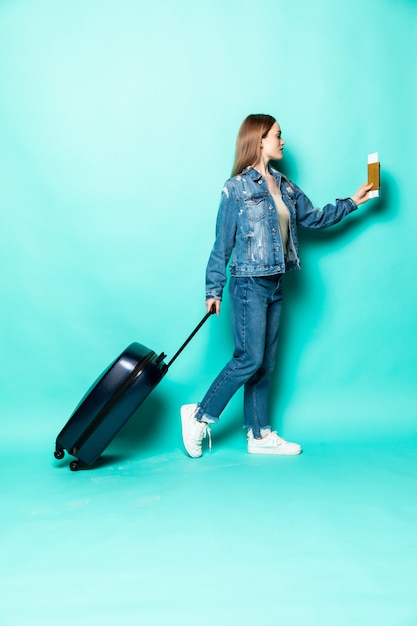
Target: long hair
(248,142)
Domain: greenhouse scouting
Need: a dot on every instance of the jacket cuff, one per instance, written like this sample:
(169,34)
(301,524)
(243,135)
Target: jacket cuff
(213,296)
(352,204)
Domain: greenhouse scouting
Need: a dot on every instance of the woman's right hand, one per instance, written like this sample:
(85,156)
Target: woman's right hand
(209,304)
(362,195)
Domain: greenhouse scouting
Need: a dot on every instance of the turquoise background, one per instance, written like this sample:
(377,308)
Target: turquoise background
(117,130)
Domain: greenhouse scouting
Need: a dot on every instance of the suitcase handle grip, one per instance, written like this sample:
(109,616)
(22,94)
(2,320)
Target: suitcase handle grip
(196,329)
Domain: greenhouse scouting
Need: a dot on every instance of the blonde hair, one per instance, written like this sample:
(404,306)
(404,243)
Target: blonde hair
(248,142)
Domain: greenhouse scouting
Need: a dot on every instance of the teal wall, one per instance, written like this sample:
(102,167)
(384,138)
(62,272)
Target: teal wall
(117,129)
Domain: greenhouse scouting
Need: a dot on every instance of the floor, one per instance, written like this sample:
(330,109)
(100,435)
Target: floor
(153,537)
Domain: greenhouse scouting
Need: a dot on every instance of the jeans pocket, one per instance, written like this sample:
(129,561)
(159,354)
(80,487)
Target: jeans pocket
(233,285)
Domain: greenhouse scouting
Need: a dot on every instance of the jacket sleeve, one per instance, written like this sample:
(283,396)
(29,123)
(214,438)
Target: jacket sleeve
(310,217)
(226,225)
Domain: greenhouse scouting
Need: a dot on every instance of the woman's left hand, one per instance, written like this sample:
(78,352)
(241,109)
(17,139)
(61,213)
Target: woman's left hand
(362,195)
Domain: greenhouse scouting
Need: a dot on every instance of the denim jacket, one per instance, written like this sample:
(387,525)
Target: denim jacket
(247,225)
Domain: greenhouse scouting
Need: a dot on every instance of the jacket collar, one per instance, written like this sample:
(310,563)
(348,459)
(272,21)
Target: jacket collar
(257,177)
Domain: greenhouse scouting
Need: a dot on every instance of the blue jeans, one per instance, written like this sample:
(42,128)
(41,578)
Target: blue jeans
(256,304)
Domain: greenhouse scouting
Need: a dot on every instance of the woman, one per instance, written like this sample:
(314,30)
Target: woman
(258,214)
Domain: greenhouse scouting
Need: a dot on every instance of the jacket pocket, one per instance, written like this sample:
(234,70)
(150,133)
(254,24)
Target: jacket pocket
(255,209)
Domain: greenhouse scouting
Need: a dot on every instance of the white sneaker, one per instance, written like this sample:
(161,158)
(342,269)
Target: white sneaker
(193,431)
(272,444)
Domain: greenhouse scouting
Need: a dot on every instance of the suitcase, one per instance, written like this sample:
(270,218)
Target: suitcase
(112,400)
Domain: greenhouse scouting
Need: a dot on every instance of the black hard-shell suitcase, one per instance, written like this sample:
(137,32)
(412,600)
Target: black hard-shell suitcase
(112,400)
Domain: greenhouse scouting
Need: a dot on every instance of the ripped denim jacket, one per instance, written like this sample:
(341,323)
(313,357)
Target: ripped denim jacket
(247,226)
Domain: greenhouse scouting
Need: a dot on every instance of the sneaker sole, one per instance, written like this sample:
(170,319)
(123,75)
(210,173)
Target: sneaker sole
(276,451)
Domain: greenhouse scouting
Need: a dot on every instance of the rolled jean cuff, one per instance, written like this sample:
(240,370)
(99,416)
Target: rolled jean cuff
(261,431)
(201,416)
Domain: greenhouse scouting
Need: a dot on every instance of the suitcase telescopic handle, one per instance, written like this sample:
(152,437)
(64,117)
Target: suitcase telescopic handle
(196,329)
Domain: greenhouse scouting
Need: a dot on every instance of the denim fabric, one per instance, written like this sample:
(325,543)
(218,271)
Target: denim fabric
(247,226)
(256,309)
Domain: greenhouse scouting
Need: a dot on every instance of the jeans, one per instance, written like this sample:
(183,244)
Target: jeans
(256,304)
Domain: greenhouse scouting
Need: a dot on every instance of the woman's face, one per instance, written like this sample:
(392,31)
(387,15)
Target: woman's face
(273,144)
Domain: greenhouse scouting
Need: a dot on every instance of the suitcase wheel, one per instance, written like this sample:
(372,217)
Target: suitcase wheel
(74,466)
(59,454)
